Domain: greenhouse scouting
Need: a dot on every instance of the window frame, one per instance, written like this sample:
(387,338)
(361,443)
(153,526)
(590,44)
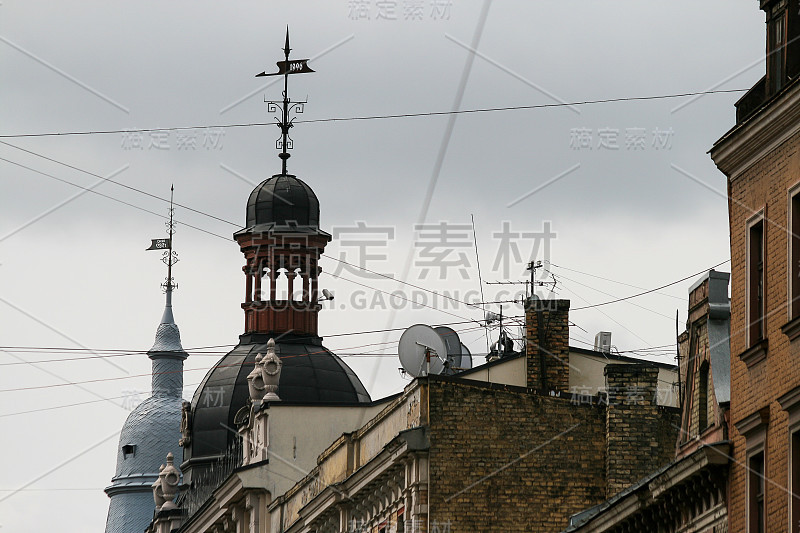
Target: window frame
(703,377)
(754,428)
(793,252)
(793,474)
(753,454)
(776,59)
(758,218)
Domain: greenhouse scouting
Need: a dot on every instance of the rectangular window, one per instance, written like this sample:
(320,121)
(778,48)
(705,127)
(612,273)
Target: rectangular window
(777,42)
(794,254)
(794,483)
(702,403)
(755,494)
(755,282)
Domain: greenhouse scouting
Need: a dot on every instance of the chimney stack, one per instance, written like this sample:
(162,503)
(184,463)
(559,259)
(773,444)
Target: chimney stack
(634,426)
(547,344)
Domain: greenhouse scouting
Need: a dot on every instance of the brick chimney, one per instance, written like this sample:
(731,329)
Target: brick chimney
(547,344)
(635,427)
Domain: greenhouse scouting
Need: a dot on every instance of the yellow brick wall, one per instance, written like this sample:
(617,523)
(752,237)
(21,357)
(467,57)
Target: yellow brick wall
(763,185)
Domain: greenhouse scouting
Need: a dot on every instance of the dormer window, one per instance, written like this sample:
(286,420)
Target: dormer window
(776,49)
(128,450)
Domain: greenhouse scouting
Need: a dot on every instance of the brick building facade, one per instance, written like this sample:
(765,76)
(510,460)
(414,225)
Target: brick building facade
(450,453)
(690,494)
(761,158)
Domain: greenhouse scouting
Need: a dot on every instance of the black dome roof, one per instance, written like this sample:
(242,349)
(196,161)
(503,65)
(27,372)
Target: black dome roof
(311,374)
(283,199)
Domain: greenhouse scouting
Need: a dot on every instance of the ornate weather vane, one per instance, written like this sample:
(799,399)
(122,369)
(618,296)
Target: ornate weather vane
(169,256)
(286,67)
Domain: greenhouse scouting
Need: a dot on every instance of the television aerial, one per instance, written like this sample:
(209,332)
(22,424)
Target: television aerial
(422,351)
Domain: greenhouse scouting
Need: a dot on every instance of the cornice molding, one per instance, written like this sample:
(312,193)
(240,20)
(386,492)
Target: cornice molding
(792,328)
(753,422)
(791,400)
(749,142)
(755,354)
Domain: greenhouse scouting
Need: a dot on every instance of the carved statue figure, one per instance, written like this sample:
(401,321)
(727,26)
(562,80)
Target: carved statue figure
(186,424)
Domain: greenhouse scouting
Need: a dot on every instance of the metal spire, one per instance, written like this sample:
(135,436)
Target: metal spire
(169,258)
(286,67)
(285,124)
(168,337)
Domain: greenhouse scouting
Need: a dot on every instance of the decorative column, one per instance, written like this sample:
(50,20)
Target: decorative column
(290,275)
(257,271)
(273,281)
(304,273)
(248,291)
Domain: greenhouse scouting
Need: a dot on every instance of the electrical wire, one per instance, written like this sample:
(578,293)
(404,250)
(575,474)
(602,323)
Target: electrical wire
(197,211)
(651,290)
(382,117)
(609,294)
(329,257)
(611,280)
(62,180)
(62,406)
(109,180)
(318,352)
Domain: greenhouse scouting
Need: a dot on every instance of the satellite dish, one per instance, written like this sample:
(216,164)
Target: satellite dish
(453,343)
(414,343)
(466,357)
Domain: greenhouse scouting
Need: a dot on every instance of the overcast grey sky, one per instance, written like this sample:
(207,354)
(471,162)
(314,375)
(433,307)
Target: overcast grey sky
(75,274)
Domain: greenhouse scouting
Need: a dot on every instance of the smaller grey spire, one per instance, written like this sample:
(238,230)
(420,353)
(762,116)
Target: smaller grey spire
(168,336)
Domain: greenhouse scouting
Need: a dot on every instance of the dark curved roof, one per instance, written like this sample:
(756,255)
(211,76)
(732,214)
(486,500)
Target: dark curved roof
(311,374)
(282,200)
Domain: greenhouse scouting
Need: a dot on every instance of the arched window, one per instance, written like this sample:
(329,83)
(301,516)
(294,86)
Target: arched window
(702,402)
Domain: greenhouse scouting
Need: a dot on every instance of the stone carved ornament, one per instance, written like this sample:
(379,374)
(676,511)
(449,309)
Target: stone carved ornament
(263,381)
(186,424)
(158,494)
(170,478)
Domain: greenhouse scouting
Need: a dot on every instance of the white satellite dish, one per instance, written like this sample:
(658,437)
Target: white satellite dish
(453,344)
(422,351)
(466,357)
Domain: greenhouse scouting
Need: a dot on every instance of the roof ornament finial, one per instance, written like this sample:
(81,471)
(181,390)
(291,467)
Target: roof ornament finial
(169,258)
(286,67)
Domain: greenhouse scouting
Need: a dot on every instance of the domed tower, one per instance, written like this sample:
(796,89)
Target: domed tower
(282,243)
(152,429)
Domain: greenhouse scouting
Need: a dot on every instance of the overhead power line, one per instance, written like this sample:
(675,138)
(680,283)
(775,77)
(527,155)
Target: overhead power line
(381,117)
(200,212)
(651,290)
(609,279)
(329,257)
(109,180)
